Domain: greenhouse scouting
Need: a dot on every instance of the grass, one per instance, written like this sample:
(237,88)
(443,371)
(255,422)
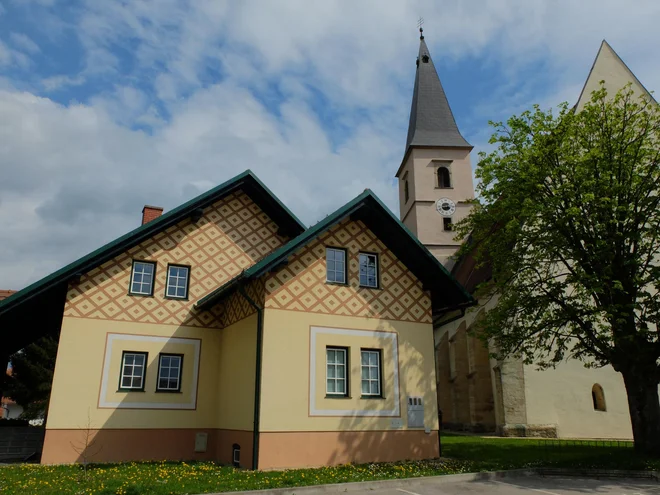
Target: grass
(461,454)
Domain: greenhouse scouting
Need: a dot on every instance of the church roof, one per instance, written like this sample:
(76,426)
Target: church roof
(609,67)
(432,122)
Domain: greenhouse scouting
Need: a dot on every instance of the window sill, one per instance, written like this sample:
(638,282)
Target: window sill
(438,187)
(139,295)
(130,390)
(329,396)
(341,284)
(169,391)
(377,397)
(176,298)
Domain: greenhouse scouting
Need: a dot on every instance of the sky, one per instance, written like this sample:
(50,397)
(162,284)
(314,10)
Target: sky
(106,106)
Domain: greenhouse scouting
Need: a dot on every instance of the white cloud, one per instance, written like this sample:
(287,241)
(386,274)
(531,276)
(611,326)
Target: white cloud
(75,176)
(23,42)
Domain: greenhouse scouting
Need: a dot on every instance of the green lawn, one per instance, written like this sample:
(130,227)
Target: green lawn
(466,453)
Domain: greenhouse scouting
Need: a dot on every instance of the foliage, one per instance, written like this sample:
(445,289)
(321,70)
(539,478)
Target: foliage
(469,454)
(32,376)
(568,218)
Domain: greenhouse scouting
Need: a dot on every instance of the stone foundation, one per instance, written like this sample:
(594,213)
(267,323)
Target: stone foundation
(523,430)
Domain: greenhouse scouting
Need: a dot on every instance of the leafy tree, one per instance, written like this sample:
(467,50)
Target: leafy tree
(568,218)
(32,376)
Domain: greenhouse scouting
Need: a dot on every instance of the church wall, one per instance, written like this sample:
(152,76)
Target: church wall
(563,397)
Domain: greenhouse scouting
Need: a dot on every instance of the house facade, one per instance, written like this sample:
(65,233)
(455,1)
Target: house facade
(225,330)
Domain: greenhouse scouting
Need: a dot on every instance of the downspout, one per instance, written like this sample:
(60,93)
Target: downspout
(257,378)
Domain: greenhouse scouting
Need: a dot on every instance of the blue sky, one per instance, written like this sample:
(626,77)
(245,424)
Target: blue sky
(109,105)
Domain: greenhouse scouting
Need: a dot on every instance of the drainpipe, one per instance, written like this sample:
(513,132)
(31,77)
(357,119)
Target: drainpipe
(257,378)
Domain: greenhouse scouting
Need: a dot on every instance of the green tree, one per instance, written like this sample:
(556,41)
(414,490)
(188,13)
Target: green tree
(32,376)
(568,218)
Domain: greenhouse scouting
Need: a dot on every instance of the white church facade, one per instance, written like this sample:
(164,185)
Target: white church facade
(475,391)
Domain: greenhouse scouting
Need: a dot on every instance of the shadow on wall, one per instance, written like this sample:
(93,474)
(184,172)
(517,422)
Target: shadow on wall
(382,439)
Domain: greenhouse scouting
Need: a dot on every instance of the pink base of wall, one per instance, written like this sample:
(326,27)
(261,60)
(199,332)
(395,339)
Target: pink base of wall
(277,450)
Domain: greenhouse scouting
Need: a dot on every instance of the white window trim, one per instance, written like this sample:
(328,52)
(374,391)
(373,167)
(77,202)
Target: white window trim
(178,378)
(185,286)
(375,257)
(153,278)
(345,366)
(369,380)
(123,366)
(345,255)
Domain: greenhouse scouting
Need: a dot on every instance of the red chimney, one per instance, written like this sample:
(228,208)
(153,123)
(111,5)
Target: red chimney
(150,213)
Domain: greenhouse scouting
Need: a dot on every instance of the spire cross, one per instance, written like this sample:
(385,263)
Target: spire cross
(420,23)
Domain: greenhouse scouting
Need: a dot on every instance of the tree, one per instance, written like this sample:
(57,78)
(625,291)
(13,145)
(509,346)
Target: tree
(32,376)
(568,218)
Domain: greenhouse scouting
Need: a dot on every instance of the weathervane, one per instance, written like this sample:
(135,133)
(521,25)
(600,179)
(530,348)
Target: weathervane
(420,23)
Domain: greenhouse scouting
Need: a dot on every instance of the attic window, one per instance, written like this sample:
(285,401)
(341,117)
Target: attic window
(425,58)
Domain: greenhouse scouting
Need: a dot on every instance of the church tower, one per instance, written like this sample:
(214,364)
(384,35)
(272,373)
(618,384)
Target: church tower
(435,176)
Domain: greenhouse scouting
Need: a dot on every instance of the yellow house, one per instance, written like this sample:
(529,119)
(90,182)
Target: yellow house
(225,330)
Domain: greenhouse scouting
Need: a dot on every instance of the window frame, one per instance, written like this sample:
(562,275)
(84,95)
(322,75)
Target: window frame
(446,166)
(376,256)
(169,390)
(153,279)
(338,395)
(121,388)
(345,251)
(379,353)
(167,281)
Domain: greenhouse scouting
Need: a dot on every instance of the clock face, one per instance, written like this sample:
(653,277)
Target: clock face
(445,206)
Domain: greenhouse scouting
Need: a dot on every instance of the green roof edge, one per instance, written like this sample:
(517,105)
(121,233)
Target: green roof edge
(285,251)
(153,226)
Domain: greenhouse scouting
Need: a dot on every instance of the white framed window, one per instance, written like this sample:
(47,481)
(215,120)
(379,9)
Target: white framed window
(335,260)
(370,372)
(177,281)
(335,376)
(142,278)
(368,270)
(133,367)
(169,372)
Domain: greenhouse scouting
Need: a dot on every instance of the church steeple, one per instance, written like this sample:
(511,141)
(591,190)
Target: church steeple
(431,120)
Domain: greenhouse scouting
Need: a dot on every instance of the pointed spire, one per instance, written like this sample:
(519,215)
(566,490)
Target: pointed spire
(431,120)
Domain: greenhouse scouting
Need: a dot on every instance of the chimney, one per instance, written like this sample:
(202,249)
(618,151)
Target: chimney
(150,213)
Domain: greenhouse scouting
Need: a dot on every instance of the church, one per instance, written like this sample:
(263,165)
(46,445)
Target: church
(476,392)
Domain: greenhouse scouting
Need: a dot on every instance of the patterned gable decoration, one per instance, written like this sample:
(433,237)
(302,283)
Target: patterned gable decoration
(236,307)
(301,286)
(233,234)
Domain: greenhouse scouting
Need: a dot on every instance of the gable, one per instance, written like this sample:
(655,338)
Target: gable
(232,235)
(301,284)
(609,67)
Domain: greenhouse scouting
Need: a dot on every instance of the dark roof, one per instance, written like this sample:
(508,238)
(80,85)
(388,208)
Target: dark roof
(446,292)
(432,123)
(36,299)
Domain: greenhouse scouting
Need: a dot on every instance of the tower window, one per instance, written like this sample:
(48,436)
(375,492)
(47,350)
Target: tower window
(598,398)
(406,191)
(444,179)
(446,224)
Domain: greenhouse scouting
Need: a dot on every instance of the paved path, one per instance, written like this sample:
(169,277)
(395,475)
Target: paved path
(514,485)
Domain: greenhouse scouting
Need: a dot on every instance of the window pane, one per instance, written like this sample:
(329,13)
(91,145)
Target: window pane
(374,388)
(147,268)
(173,383)
(137,382)
(331,266)
(128,358)
(373,373)
(331,371)
(340,371)
(365,373)
(373,358)
(139,359)
(162,383)
(340,277)
(330,254)
(365,358)
(181,292)
(340,255)
(126,381)
(175,361)
(340,357)
(165,361)
(365,387)
(330,355)
(340,386)
(331,386)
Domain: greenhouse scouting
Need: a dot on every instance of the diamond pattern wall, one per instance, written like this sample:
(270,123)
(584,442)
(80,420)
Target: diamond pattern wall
(233,234)
(236,307)
(301,285)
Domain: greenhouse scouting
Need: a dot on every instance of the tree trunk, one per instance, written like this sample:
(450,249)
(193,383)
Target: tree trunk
(644,409)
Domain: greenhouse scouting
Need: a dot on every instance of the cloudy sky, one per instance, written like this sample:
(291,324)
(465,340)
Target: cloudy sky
(108,105)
